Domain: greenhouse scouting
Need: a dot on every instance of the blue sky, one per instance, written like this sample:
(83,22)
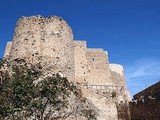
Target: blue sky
(128,29)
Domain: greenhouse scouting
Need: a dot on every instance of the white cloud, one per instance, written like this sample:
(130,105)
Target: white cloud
(142,73)
(144,67)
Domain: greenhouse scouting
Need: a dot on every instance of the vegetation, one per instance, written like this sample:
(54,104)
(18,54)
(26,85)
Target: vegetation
(26,93)
(114,94)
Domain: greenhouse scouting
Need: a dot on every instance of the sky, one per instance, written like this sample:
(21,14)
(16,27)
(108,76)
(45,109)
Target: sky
(128,29)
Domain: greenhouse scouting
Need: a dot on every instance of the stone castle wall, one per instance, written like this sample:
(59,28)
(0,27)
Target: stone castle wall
(49,42)
(8,49)
(98,70)
(80,61)
(45,40)
(91,65)
(118,79)
(117,74)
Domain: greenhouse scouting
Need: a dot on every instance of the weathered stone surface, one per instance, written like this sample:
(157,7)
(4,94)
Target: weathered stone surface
(117,76)
(80,59)
(49,42)
(8,49)
(98,70)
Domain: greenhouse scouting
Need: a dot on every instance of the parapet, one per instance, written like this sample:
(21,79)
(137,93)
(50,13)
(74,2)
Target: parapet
(117,74)
(106,52)
(95,50)
(80,43)
(117,68)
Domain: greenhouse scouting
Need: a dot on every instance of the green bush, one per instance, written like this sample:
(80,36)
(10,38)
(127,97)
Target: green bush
(25,93)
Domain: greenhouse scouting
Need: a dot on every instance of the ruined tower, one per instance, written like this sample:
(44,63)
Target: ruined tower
(48,41)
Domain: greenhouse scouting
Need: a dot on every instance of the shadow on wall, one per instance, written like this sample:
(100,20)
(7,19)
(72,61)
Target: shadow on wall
(145,111)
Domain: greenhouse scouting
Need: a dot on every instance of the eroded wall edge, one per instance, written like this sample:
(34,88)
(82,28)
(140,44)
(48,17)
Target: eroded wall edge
(7,49)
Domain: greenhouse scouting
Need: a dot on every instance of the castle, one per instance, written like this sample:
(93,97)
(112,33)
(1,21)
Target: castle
(49,41)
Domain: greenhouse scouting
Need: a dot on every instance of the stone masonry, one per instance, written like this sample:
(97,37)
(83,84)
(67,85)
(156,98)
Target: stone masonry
(49,41)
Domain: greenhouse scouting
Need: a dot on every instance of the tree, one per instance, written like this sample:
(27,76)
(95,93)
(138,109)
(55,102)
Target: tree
(27,94)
